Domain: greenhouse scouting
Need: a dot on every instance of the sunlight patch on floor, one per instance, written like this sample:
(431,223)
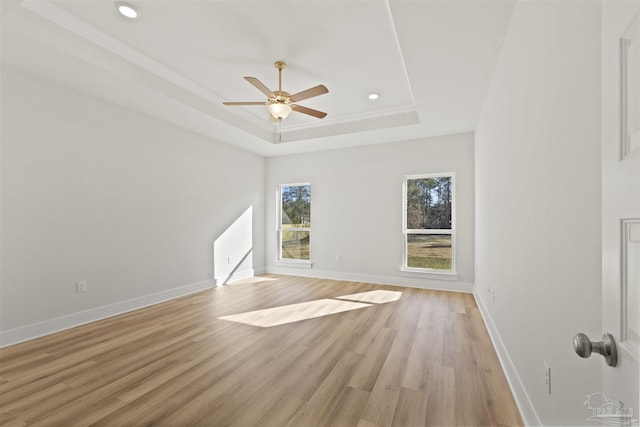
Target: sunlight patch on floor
(375,297)
(294,313)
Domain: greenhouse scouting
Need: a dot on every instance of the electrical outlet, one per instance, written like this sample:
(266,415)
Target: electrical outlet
(81,286)
(229,259)
(339,259)
(492,293)
(547,376)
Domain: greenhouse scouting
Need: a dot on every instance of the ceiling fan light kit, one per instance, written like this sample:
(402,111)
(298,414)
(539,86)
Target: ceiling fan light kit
(281,103)
(279,111)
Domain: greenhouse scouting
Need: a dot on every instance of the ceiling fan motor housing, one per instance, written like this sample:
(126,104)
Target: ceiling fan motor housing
(281,96)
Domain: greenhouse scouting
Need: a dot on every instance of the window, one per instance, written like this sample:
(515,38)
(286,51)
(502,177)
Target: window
(429,226)
(294,228)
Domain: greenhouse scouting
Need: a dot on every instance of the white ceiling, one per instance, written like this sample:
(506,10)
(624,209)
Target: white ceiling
(431,61)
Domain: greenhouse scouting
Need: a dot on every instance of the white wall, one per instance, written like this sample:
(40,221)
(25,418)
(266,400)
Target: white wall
(91,191)
(537,160)
(356,207)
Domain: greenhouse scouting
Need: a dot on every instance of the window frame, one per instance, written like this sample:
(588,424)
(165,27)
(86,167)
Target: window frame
(279,228)
(406,232)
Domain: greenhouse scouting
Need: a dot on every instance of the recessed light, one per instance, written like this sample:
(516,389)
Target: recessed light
(374,95)
(126,9)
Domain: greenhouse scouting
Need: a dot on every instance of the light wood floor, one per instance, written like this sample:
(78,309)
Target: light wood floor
(423,359)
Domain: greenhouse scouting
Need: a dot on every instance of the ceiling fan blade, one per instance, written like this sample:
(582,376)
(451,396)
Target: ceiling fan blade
(309,93)
(246,103)
(309,111)
(261,87)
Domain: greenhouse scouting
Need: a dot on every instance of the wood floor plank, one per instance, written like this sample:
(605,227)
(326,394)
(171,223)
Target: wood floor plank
(14,391)
(323,404)
(367,373)
(441,405)
(424,359)
(350,406)
(411,409)
(7,420)
(282,406)
(415,374)
(381,407)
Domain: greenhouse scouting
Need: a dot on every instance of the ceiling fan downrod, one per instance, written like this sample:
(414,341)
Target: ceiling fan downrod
(280,65)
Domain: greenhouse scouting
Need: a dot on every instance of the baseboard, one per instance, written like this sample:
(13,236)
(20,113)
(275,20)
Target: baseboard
(46,327)
(411,282)
(222,280)
(527,410)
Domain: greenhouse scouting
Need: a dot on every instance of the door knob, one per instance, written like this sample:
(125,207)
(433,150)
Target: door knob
(583,346)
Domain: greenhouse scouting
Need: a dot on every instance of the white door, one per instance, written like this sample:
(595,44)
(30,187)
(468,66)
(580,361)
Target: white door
(620,212)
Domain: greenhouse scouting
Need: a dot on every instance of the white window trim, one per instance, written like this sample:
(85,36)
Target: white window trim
(433,272)
(297,263)
(301,263)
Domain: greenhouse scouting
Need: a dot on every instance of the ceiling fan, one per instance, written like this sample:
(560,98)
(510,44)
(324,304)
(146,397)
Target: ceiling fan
(281,103)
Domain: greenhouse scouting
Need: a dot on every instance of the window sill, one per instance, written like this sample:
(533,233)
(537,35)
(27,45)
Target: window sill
(445,275)
(294,263)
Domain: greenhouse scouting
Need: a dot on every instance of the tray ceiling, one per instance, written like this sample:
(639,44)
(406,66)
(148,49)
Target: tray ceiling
(430,61)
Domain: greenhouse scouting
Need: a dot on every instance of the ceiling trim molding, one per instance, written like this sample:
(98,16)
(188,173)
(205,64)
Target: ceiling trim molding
(77,26)
(366,124)
(396,39)
(358,117)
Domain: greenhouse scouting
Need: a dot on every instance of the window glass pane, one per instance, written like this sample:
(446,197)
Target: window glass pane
(429,203)
(429,251)
(296,206)
(295,244)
